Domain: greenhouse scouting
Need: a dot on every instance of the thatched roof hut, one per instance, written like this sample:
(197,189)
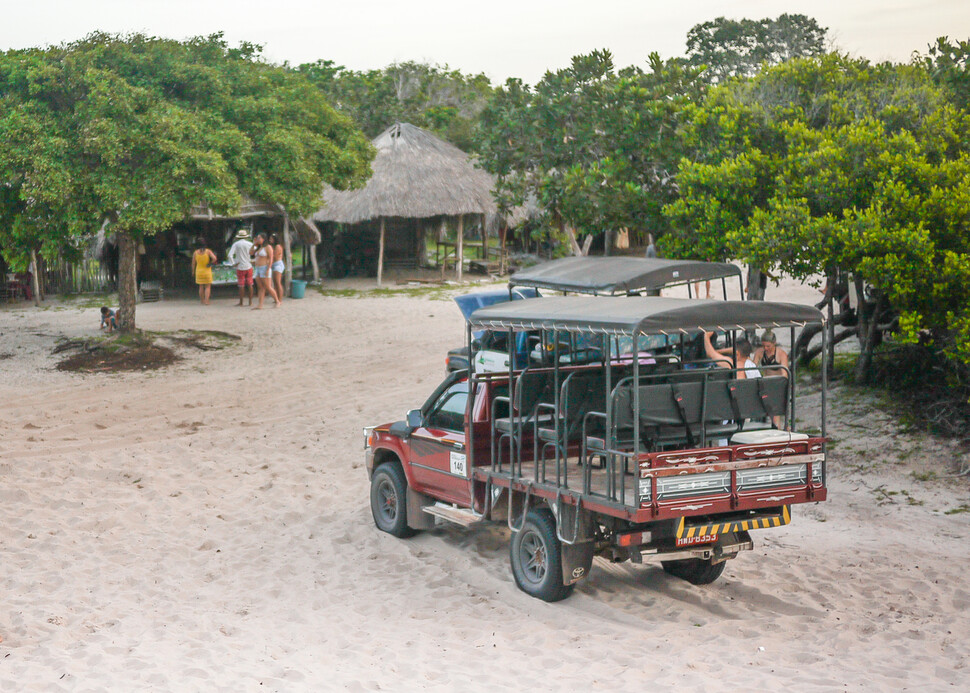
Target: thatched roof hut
(416,176)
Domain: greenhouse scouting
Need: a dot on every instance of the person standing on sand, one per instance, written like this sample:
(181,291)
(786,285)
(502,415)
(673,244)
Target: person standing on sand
(278,265)
(239,257)
(202,261)
(262,256)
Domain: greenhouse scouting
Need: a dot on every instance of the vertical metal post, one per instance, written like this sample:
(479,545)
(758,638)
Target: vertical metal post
(825,385)
(555,404)
(510,348)
(724,287)
(607,434)
(791,375)
(825,375)
(636,411)
(469,408)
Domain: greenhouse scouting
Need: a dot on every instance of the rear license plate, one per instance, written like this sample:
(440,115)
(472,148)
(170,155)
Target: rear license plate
(702,539)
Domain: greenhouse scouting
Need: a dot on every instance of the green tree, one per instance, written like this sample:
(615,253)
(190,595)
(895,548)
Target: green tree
(739,48)
(135,130)
(437,98)
(949,64)
(597,148)
(831,166)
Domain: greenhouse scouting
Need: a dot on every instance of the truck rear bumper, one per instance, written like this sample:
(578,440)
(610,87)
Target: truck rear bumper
(716,553)
(690,528)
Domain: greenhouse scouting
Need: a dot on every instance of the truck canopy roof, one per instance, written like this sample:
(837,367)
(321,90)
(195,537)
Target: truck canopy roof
(652,315)
(613,275)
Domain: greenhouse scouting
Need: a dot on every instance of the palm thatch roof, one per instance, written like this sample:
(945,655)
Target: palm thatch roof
(415,175)
(305,229)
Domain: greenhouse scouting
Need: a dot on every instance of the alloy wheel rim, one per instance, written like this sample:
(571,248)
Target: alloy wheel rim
(533,557)
(387,501)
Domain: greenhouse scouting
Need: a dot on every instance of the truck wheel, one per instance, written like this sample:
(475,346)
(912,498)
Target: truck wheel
(388,500)
(696,571)
(536,557)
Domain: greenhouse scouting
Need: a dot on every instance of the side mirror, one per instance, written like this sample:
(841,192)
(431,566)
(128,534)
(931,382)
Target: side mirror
(414,418)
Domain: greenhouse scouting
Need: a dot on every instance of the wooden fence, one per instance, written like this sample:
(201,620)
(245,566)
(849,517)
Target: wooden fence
(87,276)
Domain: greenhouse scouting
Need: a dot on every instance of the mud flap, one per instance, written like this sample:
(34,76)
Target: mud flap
(417,518)
(577,559)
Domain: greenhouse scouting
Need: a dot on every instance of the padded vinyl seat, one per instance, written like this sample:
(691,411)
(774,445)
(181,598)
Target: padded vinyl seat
(504,424)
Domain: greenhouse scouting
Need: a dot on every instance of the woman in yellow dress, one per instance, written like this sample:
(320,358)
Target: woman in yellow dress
(202,261)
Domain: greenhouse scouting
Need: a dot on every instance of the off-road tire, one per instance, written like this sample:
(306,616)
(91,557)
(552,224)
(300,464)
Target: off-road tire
(696,571)
(388,500)
(536,556)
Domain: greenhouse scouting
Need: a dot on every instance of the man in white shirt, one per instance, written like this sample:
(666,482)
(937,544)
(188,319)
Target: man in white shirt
(239,257)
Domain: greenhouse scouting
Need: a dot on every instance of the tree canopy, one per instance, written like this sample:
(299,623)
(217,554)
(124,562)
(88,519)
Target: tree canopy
(434,97)
(595,146)
(740,47)
(828,165)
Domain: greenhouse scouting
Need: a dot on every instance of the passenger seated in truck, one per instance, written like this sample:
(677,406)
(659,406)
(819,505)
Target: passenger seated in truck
(724,358)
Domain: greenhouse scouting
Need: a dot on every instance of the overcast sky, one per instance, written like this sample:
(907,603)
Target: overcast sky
(502,38)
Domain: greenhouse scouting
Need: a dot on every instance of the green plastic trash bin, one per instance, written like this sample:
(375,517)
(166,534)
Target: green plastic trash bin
(297,288)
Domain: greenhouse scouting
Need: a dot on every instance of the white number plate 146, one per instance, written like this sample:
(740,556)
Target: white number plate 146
(458,464)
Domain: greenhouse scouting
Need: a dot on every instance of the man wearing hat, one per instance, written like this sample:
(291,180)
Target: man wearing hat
(239,257)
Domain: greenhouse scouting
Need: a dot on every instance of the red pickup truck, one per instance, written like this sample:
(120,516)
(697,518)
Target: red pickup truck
(628,459)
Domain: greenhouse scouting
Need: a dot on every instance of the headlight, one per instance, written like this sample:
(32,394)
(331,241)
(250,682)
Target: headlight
(368,436)
(693,484)
(787,475)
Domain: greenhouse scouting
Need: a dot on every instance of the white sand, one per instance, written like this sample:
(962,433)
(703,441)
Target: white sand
(206,527)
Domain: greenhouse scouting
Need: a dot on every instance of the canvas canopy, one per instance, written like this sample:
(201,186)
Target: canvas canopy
(614,275)
(652,315)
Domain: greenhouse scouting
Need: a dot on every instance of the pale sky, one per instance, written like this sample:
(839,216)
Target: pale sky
(502,38)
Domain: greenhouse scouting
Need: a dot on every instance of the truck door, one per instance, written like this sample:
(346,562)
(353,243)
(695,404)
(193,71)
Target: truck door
(438,455)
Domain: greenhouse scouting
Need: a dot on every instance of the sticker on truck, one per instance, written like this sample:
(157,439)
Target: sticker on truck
(458,464)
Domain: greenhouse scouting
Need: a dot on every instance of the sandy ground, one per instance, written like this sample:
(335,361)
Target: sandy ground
(206,527)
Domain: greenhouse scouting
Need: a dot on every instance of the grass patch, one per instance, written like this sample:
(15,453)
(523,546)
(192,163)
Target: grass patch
(113,353)
(957,510)
(434,292)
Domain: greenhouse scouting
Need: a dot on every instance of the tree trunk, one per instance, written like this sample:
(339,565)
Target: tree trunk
(35,277)
(808,356)
(569,234)
(607,243)
(380,255)
(312,249)
(287,254)
(864,364)
(127,284)
(755,291)
(459,246)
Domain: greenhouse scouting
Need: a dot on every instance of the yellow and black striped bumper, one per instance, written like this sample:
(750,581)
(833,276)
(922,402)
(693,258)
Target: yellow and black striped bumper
(687,531)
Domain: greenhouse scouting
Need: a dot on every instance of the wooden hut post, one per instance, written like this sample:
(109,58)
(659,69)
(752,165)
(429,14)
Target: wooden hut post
(459,248)
(287,254)
(312,248)
(484,240)
(380,255)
